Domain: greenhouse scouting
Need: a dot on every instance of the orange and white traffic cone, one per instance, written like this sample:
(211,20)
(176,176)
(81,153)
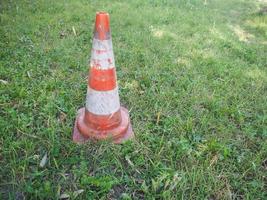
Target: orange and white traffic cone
(103,117)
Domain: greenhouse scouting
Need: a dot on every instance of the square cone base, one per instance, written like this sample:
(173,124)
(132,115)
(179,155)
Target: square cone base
(79,138)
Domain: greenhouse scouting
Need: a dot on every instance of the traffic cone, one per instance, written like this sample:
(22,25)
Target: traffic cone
(103,117)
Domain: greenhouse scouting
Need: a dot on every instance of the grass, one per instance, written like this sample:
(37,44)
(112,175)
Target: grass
(192,73)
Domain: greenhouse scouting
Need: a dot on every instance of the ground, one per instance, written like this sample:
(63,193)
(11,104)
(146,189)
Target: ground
(192,73)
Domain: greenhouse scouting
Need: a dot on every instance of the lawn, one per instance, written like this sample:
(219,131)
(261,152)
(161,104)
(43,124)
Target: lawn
(192,73)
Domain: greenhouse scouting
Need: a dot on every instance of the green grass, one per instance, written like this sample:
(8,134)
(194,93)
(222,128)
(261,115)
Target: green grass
(192,74)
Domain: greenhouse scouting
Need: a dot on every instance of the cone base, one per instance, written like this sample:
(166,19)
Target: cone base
(82,133)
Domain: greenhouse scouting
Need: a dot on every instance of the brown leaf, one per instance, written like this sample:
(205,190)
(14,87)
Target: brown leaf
(62,116)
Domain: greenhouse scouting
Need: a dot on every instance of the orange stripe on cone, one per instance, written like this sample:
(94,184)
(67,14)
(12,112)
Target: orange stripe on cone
(102,122)
(102,79)
(102,117)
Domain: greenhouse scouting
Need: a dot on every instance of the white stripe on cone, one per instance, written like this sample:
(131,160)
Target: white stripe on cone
(102,102)
(102,54)
(102,64)
(102,44)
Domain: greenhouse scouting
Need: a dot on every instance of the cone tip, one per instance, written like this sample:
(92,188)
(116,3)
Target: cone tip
(102,30)
(102,13)
(102,17)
